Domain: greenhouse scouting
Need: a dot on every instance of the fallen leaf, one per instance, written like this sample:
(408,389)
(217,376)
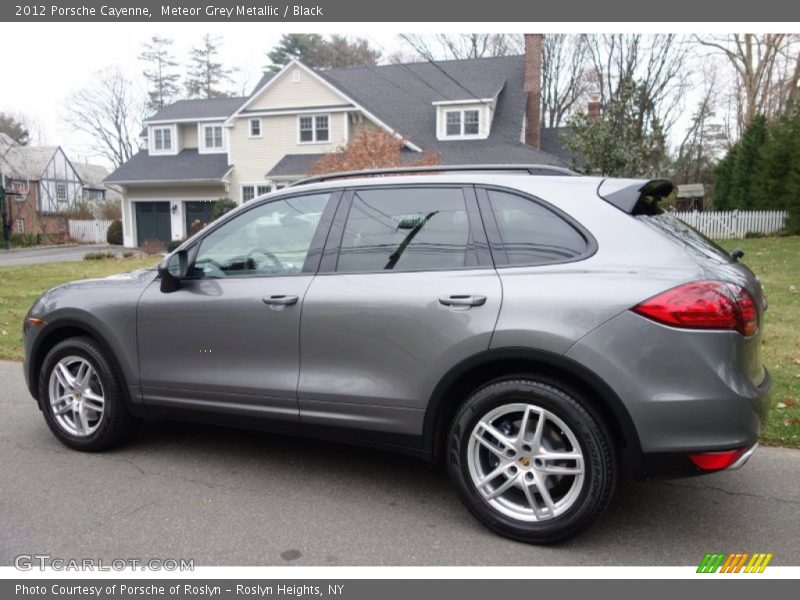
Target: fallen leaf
(780,405)
(790,402)
(792,422)
(793,289)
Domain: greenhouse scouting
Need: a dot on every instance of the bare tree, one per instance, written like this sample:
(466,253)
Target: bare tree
(110,113)
(655,64)
(465,45)
(766,69)
(564,76)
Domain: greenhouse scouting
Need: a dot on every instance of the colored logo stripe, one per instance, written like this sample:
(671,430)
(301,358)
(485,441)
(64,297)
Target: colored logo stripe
(734,563)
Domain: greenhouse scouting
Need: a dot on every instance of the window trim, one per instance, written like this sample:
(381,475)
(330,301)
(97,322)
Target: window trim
(462,123)
(333,245)
(62,185)
(201,139)
(250,133)
(496,241)
(173,136)
(314,117)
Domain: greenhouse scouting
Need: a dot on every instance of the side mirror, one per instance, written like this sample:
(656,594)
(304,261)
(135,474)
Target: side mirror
(172,269)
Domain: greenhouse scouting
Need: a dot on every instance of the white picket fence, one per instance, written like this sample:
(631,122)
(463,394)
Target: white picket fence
(734,223)
(89,231)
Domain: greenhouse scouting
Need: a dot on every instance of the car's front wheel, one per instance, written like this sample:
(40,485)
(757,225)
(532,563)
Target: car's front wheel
(82,398)
(530,461)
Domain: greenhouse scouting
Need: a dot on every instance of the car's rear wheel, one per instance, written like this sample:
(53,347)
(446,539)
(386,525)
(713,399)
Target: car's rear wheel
(531,461)
(82,398)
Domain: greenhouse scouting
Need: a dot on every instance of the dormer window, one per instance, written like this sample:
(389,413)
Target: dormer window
(211,138)
(162,139)
(462,123)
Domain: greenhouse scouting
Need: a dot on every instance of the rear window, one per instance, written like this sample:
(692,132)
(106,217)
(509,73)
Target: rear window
(688,237)
(532,234)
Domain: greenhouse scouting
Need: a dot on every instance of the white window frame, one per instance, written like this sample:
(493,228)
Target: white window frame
(314,128)
(173,137)
(462,123)
(201,139)
(62,185)
(266,188)
(250,128)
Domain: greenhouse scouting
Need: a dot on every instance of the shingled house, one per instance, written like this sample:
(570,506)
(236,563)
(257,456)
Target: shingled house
(196,151)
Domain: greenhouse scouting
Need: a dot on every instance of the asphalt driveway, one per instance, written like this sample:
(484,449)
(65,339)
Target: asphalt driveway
(228,497)
(49,254)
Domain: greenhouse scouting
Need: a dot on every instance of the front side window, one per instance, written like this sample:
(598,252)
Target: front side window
(271,239)
(212,136)
(406,229)
(163,138)
(255,127)
(314,129)
(532,234)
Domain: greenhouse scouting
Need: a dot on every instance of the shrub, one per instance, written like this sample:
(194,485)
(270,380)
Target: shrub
(110,209)
(114,233)
(23,240)
(128,254)
(754,234)
(222,206)
(173,244)
(99,255)
(152,246)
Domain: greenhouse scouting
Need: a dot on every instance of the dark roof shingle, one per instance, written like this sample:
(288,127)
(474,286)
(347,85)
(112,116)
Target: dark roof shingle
(188,165)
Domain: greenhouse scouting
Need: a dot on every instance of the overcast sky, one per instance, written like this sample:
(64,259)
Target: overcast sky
(44,62)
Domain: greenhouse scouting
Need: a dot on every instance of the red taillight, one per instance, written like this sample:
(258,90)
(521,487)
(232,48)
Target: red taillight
(715,461)
(703,305)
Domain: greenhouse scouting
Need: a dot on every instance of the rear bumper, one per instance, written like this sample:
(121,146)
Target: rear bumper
(678,464)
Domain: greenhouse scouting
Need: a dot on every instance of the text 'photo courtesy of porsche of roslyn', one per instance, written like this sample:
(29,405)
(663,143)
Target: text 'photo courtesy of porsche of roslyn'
(304,304)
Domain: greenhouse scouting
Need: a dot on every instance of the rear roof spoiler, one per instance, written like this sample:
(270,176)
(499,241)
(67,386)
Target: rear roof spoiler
(635,196)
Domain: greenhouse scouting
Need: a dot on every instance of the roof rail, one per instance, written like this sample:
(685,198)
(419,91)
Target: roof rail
(527,169)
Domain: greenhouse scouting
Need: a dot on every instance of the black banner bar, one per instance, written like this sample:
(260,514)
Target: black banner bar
(443,11)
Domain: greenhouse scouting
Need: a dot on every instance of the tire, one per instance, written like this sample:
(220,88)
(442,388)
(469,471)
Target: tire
(86,361)
(579,492)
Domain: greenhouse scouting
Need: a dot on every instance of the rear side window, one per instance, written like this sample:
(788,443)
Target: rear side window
(531,234)
(406,229)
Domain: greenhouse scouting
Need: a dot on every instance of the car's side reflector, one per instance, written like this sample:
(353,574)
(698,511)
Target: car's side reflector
(716,461)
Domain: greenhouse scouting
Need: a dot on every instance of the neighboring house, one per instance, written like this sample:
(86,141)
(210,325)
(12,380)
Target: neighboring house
(196,151)
(55,185)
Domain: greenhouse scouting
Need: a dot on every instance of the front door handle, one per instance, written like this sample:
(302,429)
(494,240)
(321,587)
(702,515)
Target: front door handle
(462,301)
(280,300)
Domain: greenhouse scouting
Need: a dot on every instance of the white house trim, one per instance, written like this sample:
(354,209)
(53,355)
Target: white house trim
(201,138)
(197,120)
(470,101)
(151,140)
(293,111)
(334,89)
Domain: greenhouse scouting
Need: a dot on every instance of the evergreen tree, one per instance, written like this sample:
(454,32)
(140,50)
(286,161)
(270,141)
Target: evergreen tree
(316,52)
(205,75)
(748,163)
(162,78)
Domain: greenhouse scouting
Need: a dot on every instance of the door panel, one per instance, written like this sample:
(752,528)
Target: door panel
(215,340)
(153,222)
(228,338)
(375,343)
(197,215)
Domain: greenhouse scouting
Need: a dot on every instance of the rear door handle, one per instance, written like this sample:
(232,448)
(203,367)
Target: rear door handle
(280,300)
(462,301)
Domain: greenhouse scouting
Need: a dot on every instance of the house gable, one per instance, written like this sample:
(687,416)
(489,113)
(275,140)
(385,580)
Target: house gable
(294,87)
(60,186)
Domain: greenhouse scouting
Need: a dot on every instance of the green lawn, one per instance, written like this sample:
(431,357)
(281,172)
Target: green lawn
(20,286)
(775,260)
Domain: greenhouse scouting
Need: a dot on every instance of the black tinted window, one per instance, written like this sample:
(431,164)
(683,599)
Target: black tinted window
(406,229)
(532,234)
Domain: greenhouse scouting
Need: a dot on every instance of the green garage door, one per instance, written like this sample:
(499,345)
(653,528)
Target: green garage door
(198,215)
(153,222)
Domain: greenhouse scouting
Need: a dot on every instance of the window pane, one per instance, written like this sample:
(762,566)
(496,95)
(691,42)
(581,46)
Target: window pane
(218,137)
(532,234)
(471,122)
(271,239)
(167,139)
(209,137)
(322,129)
(454,123)
(262,189)
(255,127)
(248,193)
(406,229)
(159,142)
(306,129)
